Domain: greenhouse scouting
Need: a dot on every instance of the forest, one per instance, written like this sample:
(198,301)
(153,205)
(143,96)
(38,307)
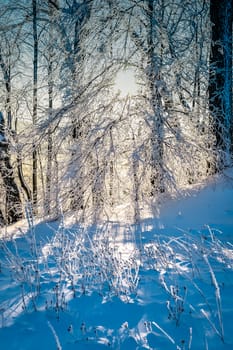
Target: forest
(107,102)
(116,175)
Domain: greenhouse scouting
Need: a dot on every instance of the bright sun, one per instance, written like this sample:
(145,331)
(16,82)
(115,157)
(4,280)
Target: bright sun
(125,83)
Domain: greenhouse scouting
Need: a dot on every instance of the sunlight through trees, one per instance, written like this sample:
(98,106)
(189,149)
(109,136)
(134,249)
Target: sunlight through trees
(111,102)
(125,83)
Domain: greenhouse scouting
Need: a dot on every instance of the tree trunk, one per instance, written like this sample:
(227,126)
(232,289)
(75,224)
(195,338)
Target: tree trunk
(53,8)
(34,102)
(154,63)
(21,177)
(13,209)
(81,14)
(2,219)
(6,70)
(220,79)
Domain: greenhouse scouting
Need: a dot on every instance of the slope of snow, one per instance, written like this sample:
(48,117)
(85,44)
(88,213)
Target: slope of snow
(164,284)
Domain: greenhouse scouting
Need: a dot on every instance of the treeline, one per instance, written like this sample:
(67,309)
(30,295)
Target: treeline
(70,140)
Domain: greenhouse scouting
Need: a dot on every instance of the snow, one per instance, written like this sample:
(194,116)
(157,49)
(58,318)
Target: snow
(164,284)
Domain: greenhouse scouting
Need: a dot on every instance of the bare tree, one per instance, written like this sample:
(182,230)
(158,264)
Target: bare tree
(220,81)
(53,14)
(13,208)
(35,102)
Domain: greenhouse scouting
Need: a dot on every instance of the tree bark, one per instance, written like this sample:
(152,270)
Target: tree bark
(53,8)
(154,63)
(82,14)
(34,102)
(22,180)
(13,208)
(220,79)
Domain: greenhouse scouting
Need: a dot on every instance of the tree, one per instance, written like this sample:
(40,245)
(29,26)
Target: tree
(154,76)
(13,209)
(53,10)
(220,79)
(34,102)
(74,18)
(91,139)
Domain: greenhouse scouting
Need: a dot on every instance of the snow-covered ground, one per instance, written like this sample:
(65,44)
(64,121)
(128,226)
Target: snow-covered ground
(164,284)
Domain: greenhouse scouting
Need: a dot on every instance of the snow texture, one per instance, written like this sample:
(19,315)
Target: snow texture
(164,284)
